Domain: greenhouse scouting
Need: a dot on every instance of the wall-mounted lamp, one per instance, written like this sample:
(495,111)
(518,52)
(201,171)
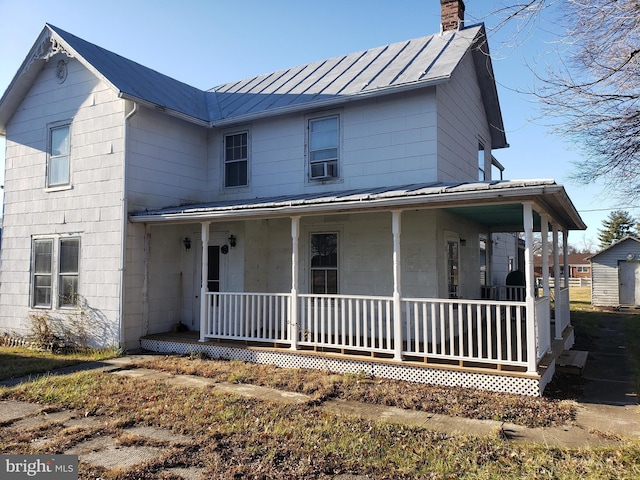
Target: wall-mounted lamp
(463,242)
(187,243)
(232,241)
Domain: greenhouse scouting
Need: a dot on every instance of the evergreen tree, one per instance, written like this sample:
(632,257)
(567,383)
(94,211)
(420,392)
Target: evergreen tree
(618,225)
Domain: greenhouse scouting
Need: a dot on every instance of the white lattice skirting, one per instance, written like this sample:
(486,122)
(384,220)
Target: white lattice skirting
(522,385)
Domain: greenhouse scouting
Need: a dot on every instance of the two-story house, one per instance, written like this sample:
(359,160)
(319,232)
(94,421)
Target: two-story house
(340,214)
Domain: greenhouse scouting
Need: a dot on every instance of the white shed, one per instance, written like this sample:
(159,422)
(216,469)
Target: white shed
(615,274)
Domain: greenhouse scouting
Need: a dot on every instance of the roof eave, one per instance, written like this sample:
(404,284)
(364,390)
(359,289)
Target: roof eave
(23,80)
(487,84)
(163,109)
(535,194)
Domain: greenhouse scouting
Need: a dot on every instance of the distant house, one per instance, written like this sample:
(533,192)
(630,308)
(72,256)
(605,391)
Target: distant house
(577,264)
(615,278)
(339,215)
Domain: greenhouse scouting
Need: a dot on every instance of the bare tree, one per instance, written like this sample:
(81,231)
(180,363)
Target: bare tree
(593,89)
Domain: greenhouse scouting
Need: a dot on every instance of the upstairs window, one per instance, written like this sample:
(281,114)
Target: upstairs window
(324,263)
(481,168)
(59,152)
(323,147)
(236,157)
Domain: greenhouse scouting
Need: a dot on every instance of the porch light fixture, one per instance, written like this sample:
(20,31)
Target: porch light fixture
(232,241)
(187,243)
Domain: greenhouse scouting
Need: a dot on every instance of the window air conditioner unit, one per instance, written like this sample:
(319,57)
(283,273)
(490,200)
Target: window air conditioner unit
(323,170)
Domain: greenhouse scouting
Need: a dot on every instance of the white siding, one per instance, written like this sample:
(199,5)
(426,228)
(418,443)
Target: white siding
(461,124)
(166,161)
(605,281)
(91,209)
(386,141)
(503,247)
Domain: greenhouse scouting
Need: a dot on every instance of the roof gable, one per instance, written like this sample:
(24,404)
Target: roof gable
(130,79)
(137,82)
(393,68)
(617,245)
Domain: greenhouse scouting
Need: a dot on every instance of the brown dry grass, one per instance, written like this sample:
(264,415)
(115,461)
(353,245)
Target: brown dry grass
(322,386)
(229,437)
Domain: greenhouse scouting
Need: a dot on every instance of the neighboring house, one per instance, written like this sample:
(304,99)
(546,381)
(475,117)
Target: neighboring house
(615,278)
(341,213)
(577,264)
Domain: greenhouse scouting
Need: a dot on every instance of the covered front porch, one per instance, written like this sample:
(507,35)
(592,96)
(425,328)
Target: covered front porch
(503,337)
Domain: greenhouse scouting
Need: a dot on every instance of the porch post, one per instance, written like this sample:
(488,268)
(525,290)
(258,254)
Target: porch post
(544,231)
(556,284)
(397,294)
(293,320)
(204,314)
(565,253)
(529,281)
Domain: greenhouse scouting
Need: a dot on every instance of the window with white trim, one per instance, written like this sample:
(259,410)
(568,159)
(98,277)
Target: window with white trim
(58,171)
(324,147)
(324,263)
(68,272)
(481,164)
(453,263)
(483,259)
(42,270)
(55,259)
(236,159)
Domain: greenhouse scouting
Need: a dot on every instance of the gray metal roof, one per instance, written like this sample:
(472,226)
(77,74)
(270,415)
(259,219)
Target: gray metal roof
(491,203)
(425,60)
(137,82)
(410,64)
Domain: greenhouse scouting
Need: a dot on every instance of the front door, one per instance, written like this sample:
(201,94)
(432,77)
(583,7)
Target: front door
(215,277)
(213,280)
(629,283)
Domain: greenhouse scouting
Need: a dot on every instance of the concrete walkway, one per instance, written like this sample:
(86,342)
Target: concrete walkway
(596,424)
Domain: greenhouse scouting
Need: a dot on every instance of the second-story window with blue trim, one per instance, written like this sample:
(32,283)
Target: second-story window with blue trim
(236,159)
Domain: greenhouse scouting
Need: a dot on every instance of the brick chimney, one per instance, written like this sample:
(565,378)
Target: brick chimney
(451,14)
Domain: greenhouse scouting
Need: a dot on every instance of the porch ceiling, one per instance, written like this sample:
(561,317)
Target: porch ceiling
(498,205)
(499,218)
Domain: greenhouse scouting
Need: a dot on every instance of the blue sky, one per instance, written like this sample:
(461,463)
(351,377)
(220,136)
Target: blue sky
(209,42)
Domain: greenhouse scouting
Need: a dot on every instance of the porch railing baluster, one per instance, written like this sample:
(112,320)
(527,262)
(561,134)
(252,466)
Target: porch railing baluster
(451,329)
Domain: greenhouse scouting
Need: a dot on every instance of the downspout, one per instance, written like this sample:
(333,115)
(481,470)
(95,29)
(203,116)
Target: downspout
(123,240)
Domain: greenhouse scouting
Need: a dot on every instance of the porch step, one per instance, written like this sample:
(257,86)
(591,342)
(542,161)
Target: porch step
(572,361)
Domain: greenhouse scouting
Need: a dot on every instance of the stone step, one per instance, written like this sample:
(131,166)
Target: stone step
(572,361)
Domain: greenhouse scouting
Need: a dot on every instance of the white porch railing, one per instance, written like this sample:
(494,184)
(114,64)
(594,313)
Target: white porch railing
(562,312)
(262,317)
(483,331)
(504,293)
(543,326)
(466,330)
(348,322)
